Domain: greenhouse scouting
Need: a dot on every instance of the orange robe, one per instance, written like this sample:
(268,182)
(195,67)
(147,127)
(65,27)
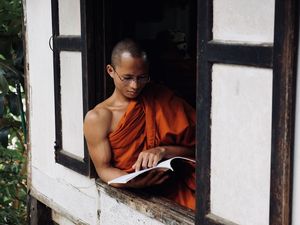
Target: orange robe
(157,118)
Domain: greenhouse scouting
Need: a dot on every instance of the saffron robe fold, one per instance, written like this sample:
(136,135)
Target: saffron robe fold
(157,118)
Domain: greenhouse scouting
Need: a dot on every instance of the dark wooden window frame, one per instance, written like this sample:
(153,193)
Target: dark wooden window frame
(73,43)
(282,58)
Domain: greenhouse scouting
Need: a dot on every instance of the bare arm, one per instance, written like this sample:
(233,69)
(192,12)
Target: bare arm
(96,128)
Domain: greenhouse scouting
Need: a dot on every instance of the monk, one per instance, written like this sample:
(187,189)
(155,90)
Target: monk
(139,125)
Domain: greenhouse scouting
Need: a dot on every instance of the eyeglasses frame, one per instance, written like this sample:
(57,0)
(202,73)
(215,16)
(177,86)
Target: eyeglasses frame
(130,79)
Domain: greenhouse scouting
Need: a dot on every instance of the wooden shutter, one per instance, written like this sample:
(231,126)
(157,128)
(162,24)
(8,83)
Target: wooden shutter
(75,81)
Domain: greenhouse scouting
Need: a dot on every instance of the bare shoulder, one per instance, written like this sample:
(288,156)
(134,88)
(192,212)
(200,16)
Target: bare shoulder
(98,114)
(98,120)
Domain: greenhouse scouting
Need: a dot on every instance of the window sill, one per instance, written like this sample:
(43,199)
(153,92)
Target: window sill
(161,209)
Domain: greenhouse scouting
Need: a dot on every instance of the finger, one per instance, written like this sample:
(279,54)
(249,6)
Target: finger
(138,162)
(145,161)
(155,160)
(151,161)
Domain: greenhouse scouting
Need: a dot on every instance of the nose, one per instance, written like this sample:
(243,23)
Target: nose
(134,84)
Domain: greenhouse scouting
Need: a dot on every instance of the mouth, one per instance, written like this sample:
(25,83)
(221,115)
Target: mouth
(133,93)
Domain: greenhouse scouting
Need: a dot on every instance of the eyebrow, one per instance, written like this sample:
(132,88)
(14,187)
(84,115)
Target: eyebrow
(140,75)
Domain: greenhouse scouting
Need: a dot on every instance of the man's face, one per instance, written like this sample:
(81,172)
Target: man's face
(130,75)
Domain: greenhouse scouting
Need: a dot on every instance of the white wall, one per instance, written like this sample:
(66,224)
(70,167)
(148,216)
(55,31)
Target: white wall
(241,116)
(296,186)
(60,187)
(113,212)
(241,143)
(71,102)
(69,17)
(243,20)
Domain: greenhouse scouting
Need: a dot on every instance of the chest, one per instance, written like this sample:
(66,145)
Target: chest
(117,115)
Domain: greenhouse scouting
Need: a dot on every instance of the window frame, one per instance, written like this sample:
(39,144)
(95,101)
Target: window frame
(279,56)
(74,43)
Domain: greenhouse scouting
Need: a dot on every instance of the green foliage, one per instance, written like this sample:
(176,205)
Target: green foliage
(12,187)
(12,120)
(10,16)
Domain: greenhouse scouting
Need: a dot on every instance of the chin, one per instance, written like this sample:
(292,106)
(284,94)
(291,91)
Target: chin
(131,96)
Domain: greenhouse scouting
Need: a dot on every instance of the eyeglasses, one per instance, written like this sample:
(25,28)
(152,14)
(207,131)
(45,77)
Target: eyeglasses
(140,79)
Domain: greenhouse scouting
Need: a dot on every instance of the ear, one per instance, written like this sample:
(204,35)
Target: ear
(110,70)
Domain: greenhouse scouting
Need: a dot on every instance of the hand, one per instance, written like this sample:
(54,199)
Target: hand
(149,158)
(150,178)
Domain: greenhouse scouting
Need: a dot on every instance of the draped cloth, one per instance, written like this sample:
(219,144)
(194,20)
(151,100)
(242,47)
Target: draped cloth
(157,118)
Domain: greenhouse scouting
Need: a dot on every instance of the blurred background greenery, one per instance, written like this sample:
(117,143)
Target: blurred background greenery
(13,154)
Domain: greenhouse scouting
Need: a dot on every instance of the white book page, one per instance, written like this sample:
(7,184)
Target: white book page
(165,164)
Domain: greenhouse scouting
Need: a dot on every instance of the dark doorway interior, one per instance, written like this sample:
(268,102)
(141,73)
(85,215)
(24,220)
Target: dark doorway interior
(167,30)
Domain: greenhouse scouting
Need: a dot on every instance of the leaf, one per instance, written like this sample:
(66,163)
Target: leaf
(13,104)
(4,136)
(3,82)
(2,57)
(11,72)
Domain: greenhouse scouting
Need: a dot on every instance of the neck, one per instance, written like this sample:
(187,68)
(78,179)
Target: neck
(119,98)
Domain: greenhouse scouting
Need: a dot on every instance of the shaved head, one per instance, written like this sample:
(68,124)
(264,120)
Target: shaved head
(127,47)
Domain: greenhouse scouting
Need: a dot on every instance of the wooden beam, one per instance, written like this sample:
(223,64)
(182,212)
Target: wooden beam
(284,90)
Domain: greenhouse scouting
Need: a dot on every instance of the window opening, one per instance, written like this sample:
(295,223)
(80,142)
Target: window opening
(167,31)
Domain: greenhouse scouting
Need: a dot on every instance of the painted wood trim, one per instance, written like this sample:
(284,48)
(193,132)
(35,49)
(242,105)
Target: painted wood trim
(73,162)
(72,43)
(54,11)
(203,107)
(27,91)
(283,115)
(87,69)
(68,43)
(99,51)
(240,54)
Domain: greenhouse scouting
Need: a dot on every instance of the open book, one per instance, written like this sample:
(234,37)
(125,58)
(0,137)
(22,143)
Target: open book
(164,164)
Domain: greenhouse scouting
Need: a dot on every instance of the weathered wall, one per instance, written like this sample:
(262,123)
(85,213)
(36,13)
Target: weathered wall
(113,212)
